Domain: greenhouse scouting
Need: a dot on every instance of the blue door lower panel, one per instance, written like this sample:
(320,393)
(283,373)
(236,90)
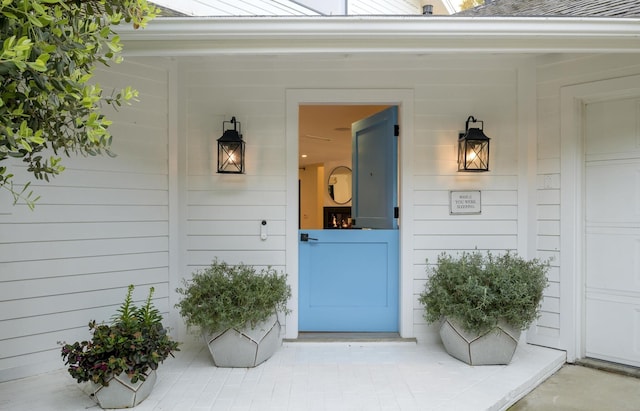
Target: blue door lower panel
(349,281)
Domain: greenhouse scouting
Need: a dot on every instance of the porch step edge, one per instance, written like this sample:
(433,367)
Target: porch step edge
(616,368)
(339,337)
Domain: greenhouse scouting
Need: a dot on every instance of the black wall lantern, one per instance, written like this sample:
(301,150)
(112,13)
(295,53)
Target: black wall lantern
(473,148)
(231,149)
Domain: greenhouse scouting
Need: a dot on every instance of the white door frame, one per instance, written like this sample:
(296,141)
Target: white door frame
(403,98)
(572,203)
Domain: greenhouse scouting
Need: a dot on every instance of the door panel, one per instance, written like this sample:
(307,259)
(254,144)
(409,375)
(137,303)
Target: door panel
(349,281)
(615,262)
(375,170)
(612,231)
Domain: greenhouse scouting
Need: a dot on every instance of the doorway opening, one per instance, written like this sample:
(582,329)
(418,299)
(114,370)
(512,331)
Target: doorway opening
(325,163)
(403,99)
(348,270)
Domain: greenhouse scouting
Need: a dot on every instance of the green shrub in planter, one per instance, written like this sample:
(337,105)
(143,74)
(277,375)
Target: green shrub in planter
(479,290)
(223,296)
(236,310)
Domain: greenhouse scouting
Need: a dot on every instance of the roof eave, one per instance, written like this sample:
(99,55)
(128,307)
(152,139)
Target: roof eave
(295,35)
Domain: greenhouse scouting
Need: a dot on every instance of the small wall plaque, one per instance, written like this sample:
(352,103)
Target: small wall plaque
(465,202)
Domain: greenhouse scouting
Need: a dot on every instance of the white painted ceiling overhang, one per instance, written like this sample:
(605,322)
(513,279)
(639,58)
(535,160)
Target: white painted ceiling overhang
(196,36)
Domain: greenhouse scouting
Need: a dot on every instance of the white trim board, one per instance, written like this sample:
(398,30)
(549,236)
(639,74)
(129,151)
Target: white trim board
(572,102)
(398,34)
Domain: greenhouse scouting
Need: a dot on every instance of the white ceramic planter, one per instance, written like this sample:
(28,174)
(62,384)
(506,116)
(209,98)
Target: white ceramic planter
(246,347)
(121,392)
(494,347)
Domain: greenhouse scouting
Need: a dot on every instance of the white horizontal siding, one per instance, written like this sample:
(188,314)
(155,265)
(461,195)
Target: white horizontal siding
(80,213)
(69,304)
(41,250)
(35,338)
(231,182)
(99,226)
(249,227)
(35,269)
(203,258)
(236,212)
(42,287)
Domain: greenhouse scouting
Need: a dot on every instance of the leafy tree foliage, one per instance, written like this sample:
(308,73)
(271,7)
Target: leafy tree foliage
(48,106)
(469,4)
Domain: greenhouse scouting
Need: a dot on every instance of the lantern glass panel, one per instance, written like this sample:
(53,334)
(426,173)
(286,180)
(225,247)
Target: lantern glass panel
(231,157)
(476,155)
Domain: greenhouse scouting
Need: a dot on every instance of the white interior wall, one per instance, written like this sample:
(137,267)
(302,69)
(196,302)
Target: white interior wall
(98,227)
(326,199)
(311,194)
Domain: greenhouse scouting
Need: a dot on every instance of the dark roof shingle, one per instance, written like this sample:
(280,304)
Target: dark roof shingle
(555,8)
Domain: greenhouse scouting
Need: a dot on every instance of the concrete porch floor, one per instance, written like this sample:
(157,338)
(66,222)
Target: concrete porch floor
(308,376)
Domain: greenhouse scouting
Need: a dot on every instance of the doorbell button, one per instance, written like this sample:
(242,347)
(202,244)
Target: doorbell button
(263,230)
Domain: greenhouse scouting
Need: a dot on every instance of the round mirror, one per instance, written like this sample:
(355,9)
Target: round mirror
(340,185)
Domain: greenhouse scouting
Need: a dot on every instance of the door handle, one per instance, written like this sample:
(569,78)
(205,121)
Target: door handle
(305,237)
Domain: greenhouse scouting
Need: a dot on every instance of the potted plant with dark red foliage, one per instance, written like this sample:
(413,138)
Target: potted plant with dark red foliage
(120,360)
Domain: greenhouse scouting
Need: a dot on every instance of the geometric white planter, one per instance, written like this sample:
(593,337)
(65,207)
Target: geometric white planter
(495,347)
(121,393)
(245,347)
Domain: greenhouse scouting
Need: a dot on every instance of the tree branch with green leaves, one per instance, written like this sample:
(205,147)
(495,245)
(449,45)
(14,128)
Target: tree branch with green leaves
(48,105)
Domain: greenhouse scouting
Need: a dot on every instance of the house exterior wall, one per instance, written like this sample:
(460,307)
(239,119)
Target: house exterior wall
(159,211)
(99,226)
(559,325)
(224,212)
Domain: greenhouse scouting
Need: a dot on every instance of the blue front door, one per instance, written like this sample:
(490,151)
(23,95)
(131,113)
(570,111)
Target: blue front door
(348,279)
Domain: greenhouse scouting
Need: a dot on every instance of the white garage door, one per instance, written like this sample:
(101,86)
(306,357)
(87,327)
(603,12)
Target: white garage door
(612,255)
